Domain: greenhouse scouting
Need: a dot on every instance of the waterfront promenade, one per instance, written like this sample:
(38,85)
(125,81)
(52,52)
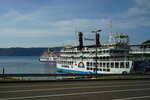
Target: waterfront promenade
(77,90)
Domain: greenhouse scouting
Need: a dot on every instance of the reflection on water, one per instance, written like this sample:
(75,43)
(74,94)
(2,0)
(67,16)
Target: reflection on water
(25,64)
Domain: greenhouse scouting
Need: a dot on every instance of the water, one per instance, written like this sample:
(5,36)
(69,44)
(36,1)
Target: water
(25,65)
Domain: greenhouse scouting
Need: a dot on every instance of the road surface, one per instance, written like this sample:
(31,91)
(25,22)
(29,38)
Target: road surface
(77,90)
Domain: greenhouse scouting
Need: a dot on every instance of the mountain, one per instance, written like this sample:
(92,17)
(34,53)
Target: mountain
(17,51)
(148,41)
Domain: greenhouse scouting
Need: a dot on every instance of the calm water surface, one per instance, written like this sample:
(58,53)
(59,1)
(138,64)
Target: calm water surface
(25,64)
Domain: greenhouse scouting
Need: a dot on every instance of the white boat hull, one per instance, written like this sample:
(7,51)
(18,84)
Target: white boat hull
(81,67)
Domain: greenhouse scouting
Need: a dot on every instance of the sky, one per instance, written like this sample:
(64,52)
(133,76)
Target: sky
(52,23)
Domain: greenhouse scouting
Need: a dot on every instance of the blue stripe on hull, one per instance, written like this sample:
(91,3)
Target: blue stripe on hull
(73,71)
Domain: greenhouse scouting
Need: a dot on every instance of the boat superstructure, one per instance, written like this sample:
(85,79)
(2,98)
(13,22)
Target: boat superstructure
(107,58)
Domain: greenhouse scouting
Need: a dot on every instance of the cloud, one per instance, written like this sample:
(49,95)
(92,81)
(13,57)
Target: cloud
(31,22)
(58,28)
(32,33)
(14,18)
(129,24)
(9,16)
(143,3)
(67,27)
(141,8)
(136,16)
(137,11)
(61,21)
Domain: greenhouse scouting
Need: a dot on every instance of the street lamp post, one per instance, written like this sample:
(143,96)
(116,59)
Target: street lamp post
(96,45)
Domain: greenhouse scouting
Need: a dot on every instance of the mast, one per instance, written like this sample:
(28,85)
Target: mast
(76,37)
(110,34)
(48,49)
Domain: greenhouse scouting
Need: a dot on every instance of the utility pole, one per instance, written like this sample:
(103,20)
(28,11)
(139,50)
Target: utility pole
(96,45)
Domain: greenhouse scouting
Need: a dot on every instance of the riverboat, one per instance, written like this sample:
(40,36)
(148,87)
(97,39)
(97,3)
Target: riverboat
(102,58)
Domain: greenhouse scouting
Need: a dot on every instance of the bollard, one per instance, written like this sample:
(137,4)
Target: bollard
(3,71)
(22,77)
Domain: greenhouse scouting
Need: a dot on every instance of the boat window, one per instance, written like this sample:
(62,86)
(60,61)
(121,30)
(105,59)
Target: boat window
(112,65)
(104,64)
(104,69)
(91,64)
(99,51)
(127,64)
(104,51)
(116,64)
(87,64)
(94,69)
(100,64)
(107,64)
(97,69)
(108,70)
(94,64)
(122,65)
(111,51)
(97,64)
(66,66)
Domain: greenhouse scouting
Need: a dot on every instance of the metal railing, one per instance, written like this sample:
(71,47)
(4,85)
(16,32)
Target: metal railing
(75,75)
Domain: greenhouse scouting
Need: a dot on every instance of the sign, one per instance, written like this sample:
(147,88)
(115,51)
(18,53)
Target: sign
(81,65)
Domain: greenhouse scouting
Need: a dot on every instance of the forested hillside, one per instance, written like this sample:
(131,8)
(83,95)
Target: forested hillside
(25,51)
(148,41)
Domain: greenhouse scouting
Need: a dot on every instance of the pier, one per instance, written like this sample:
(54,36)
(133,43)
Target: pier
(140,49)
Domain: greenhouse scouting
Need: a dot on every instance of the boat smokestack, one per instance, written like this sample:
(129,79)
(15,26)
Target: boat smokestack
(97,39)
(80,40)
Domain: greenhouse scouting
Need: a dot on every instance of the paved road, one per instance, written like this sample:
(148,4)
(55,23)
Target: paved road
(77,90)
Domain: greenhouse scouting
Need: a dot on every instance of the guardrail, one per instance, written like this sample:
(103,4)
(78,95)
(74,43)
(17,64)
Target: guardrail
(69,77)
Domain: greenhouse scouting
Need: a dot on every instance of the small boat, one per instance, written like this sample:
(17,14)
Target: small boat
(49,56)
